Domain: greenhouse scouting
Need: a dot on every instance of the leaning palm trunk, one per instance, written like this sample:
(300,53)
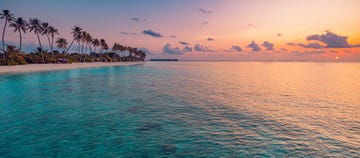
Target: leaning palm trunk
(41,50)
(3,38)
(69,46)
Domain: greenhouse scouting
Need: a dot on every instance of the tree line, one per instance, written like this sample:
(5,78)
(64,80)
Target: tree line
(89,49)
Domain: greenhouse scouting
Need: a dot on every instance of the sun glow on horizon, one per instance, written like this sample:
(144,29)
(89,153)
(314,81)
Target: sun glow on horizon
(207,29)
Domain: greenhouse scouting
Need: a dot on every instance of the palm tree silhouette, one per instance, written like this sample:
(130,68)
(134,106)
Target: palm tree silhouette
(19,25)
(83,40)
(35,26)
(45,30)
(8,17)
(88,40)
(96,43)
(76,36)
(103,45)
(52,31)
(61,43)
(49,31)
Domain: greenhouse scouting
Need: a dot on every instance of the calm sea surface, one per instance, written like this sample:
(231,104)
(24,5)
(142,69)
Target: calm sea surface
(183,109)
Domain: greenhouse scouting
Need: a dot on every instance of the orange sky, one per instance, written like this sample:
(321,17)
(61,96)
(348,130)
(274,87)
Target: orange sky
(228,22)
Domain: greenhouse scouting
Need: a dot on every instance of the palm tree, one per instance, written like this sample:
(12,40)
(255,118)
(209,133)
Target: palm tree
(83,40)
(96,43)
(19,25)
(76,36)
(35,26)
(61,43)
(8,17)
(103,44)
(45,30)
(52,31)
(88,40)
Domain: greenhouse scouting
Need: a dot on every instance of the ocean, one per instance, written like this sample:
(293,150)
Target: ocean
(183,109)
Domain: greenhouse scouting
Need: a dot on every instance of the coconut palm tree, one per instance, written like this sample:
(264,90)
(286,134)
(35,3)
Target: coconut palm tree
(45,30)
(61,43)
(76,36)
(8,17)
(35,26)
(83,40)
(19,25)
(53,31)
(88,40)
(103,45)
(96,43)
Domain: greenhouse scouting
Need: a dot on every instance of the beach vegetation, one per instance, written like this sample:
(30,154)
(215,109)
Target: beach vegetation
(89,49)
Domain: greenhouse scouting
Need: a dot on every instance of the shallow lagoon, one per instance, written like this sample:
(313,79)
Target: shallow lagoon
(183,109)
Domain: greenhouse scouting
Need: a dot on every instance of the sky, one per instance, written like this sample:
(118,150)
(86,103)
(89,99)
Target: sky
(243,30)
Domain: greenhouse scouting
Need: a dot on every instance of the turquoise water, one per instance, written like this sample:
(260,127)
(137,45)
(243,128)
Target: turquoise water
(183,109)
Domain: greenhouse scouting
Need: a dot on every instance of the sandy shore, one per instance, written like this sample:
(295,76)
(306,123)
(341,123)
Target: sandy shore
(49,67)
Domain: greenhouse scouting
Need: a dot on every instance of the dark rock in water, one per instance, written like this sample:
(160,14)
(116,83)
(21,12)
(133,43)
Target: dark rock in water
(149,126)
(169,148)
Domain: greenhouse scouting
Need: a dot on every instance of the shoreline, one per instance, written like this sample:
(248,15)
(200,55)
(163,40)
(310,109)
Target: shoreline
(52,67)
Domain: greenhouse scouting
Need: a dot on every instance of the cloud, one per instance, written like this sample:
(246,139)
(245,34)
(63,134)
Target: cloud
(279,34)
(184,43)
(172,51)
(297,53)
(331,40)
(172,36)
(210,39)
(137,19)
(201,48)
(152,33)
(204,11)
(187,49)
(236,48)
(268,45)
(147,52)
(254,47)
(204,23)
(128,33)
(309,45)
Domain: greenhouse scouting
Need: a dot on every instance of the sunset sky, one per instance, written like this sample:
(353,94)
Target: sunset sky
(310,30)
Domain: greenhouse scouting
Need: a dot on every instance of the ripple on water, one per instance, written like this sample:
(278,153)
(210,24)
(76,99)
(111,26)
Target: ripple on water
(192,109)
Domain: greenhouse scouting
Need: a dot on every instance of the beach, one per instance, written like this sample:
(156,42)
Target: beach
(50,67)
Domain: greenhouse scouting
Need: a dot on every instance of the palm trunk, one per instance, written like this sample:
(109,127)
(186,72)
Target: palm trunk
(52,43)
(82,47)
(86,45)
(3,37)
(52,46)
(82,51)
(48,40)
(42,53)
(69,46)
(52,52)
(20,39)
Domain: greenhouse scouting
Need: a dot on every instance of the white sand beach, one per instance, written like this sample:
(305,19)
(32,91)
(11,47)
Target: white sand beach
(49,67)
